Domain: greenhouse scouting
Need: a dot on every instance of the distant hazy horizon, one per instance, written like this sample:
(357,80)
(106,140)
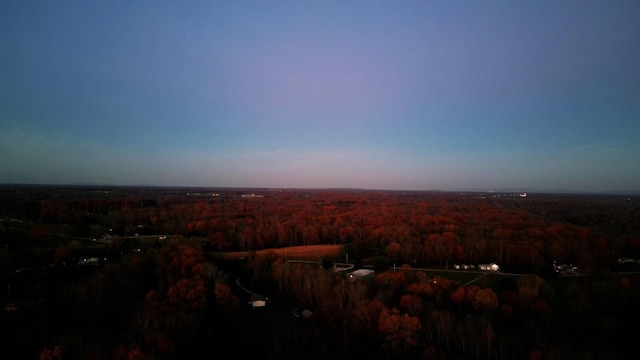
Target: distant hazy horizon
(408,95)
(504,191)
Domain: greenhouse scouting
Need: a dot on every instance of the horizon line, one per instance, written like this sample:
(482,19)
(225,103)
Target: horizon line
(482,190)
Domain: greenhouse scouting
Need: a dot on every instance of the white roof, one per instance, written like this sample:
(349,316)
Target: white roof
(258,303)
(362,272)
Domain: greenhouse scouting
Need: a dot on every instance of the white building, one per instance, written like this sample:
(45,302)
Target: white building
(361,274)
(489,267)
(258,301)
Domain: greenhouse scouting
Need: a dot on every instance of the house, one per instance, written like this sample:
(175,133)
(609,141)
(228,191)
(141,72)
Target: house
(565,269)
(628,260)
(361,274)
(89,261)
(489,267)
(258,301)
(306,314)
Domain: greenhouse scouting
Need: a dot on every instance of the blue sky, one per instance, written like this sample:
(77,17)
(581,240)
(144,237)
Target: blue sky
(423,95)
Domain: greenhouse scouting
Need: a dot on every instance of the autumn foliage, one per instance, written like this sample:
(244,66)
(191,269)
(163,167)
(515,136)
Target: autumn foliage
(176,294)
(400,331)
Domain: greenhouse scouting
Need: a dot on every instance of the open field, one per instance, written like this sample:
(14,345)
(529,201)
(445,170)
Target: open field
(306,252)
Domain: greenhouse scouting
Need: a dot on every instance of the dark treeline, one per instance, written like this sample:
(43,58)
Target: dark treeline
(151,297)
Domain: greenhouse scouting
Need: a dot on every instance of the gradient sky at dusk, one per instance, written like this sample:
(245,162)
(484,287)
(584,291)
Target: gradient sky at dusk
(422,95)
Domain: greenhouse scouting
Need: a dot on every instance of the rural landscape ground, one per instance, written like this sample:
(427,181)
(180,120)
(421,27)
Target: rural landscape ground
(93,272)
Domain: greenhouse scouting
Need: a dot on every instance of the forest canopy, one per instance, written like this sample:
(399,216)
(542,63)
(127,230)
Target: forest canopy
(162,273)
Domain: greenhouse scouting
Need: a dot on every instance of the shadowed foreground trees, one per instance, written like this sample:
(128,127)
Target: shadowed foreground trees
(171,302)
(158,304)
(435,317)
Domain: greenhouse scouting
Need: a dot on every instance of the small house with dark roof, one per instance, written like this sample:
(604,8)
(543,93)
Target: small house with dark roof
(258,301)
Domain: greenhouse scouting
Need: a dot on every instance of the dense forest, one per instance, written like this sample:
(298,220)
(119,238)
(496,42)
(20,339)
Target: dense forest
(146,273)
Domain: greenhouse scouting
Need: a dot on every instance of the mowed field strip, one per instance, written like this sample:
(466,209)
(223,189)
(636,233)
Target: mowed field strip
(305,252)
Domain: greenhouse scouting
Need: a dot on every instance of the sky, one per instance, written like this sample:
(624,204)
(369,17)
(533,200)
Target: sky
(405,95)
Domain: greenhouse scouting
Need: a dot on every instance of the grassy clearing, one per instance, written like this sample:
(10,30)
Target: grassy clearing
(308,252)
